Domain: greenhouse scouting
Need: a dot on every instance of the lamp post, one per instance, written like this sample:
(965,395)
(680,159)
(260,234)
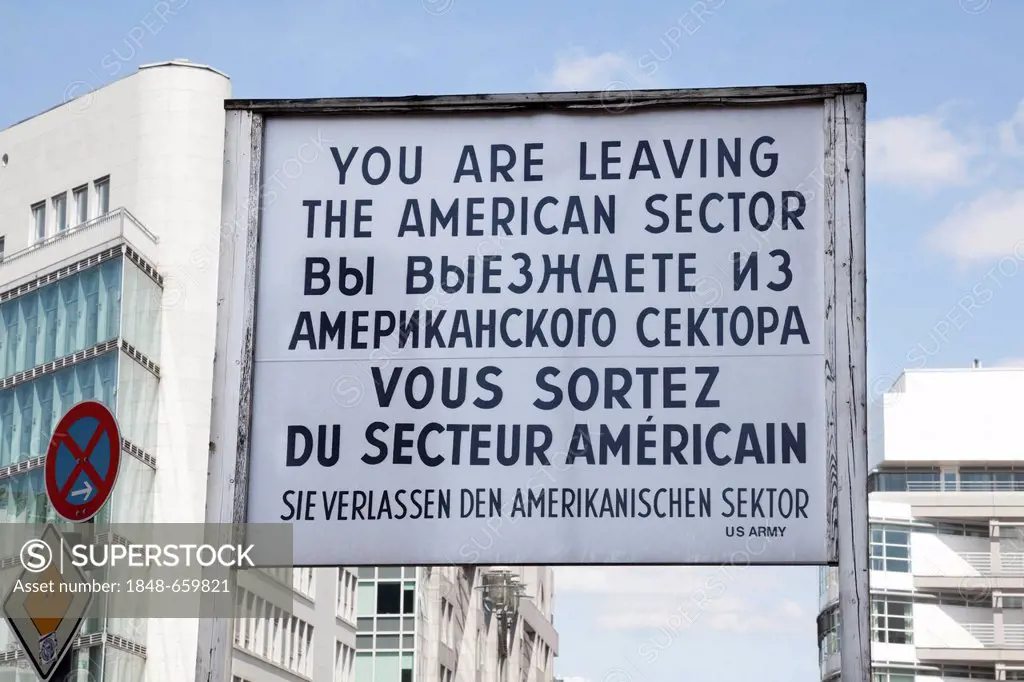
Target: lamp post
(502,592)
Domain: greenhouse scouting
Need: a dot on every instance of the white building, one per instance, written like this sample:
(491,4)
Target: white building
(110,209)
(947,533)
(455,624)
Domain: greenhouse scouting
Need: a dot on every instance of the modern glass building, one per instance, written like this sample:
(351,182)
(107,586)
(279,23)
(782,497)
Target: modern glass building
(101,200)
(84,329)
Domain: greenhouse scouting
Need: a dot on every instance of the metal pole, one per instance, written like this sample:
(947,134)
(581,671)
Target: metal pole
(62,671)
(851,431)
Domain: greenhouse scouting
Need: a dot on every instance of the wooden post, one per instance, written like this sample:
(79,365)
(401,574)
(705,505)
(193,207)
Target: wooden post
(848,192)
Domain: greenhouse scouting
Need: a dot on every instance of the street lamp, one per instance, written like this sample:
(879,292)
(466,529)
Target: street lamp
(502,591)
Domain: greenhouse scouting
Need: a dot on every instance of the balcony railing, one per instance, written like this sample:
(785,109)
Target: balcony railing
(985,633)
(963,487)
(117,224)
(1013,636)
(979,561)
(1011,563)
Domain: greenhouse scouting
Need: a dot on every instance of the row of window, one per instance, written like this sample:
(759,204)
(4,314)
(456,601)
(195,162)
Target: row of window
(890,544)
(346,595)
(62,318)
(85,308)
(304,582)
(272,634)
(384,666)
(386,598)
(344,662)
(892,622)
(58,219)
(942,671)
(388,572)
(30,410)
(892,618)
(1008,479)
(447,623)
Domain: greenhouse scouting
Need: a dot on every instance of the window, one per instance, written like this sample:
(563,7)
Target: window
(39,221)
(102,196)
(389,598)
(828,634)
(60,211)
(406,667)
(409,599)
(344,657)
(904,480)
(949,480)
(827,577)
(1,249)
(985,480)
(966,672)
(963,598)
(977,530)
(80,195)
(890,549)
(892,621)
(896,675)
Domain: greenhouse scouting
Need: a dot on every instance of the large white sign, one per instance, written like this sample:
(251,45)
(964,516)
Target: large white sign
(545,338)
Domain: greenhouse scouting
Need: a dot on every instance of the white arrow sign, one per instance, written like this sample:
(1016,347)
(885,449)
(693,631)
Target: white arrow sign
(82,491)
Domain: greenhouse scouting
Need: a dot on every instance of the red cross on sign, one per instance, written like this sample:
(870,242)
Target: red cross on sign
(83,461)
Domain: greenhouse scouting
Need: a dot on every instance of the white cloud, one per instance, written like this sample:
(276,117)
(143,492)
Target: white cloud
(717,611)
(653,580)
(991,226)
(791,609)
(676,598)
(1011,133)
(737,622)
(578,71)
(918,152)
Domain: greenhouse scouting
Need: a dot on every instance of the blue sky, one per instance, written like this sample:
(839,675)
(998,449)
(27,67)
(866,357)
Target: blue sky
(945,196)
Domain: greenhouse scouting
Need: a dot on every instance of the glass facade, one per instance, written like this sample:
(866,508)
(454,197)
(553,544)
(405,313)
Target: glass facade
(29,411)
(104,303)
(386,610)
(967,479)
(137,403)
(61,318)
(140,314)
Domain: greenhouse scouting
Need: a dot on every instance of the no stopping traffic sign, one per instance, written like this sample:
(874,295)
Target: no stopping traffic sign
(82,461)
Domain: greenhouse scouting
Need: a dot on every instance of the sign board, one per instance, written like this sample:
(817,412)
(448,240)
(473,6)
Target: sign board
(44,608)
(82,461)
(537,329)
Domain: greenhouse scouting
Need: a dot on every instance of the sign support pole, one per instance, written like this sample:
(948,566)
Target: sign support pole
(227,487)
(846,177)
(62,673)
